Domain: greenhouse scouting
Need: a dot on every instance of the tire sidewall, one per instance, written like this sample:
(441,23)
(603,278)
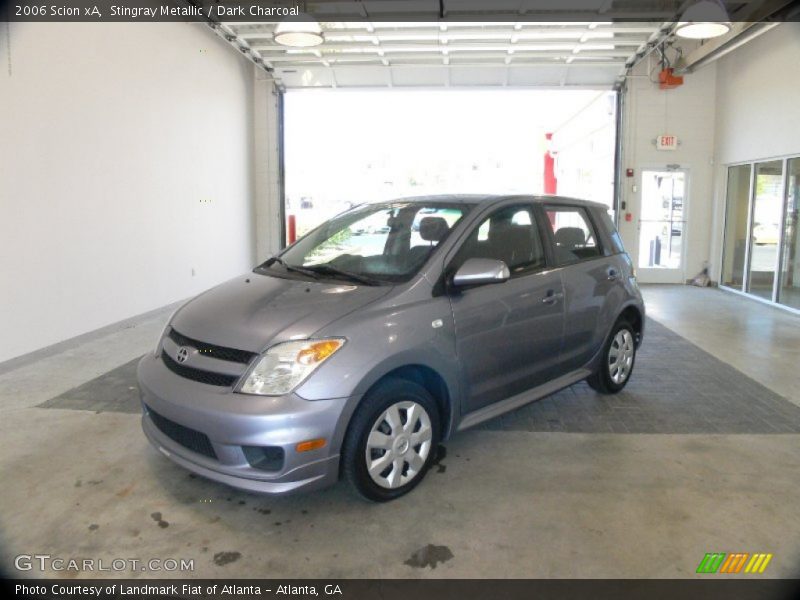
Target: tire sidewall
(373,405)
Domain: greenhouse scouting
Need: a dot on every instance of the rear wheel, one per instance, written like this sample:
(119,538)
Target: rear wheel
(616,363)
(391,441)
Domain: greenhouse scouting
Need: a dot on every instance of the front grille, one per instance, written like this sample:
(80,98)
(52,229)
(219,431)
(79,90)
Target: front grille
(186,437)
(220,352)
(198,375)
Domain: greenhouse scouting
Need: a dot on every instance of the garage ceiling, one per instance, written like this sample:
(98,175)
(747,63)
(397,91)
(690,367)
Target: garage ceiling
(541,43)
(582,54)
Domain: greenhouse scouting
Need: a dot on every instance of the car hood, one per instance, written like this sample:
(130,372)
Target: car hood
(255,311)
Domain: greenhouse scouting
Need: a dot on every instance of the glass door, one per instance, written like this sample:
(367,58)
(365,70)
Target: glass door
(737,211)
(789,291)
(766,228)
(662,226)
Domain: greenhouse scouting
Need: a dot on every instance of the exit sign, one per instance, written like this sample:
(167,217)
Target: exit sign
(667,142)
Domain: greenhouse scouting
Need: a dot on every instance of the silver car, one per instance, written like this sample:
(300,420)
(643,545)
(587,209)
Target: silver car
(358,349)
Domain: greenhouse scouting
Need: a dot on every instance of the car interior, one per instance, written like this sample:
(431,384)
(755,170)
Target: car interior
(512,239)
(574,240)
(401,254)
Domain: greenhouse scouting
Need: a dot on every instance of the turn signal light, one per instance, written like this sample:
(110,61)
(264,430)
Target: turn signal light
(310,445)
(318,351)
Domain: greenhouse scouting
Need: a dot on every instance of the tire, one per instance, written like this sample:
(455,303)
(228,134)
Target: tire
(380,428)
(611,377)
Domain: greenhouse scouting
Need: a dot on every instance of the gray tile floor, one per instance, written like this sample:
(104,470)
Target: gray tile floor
(676,388)
(114,391)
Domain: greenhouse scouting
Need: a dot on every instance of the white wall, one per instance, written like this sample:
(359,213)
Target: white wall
(758,110)
(126,176)
(758,95)
(688,113)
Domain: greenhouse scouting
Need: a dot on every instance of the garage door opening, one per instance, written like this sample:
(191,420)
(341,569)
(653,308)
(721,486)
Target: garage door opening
(348,147)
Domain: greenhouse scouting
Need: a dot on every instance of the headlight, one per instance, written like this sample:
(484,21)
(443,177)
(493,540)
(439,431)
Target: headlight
(285,366)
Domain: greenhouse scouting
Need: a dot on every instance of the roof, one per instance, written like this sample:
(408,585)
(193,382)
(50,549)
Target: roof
(494,198)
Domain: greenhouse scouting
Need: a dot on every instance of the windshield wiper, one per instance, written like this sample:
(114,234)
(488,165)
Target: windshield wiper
(288,267)
(328,269)
(316,271)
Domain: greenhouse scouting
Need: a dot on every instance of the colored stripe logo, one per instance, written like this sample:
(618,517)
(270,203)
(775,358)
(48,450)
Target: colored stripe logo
(735,562)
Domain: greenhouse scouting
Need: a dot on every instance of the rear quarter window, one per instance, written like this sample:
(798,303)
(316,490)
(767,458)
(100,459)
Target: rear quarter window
(608,223)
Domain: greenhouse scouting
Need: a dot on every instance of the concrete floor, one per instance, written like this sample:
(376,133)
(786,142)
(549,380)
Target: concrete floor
(506,503)
(761,341)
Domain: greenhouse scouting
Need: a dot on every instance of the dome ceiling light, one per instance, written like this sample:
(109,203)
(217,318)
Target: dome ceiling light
(704,19)
(298,34)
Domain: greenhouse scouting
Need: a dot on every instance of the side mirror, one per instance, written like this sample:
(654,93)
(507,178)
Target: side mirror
(480,271)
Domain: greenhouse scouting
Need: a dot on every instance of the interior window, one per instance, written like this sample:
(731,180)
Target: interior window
(509,234)
(573,233)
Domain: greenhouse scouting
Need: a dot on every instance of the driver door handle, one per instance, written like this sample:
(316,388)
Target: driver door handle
(552,297)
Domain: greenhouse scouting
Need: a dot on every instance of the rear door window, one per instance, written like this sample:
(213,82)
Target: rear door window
(574,236)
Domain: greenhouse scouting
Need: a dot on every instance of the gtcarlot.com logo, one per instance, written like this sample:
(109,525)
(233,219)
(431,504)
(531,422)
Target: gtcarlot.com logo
(45,562)
(734,562)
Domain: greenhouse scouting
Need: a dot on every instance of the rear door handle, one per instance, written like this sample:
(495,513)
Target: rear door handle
(552,297)
(612,274)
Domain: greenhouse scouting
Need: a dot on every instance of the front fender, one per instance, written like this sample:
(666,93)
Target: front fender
(383,339)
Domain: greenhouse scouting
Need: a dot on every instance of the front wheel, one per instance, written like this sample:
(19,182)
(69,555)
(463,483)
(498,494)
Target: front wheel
(391,441)
(616,363)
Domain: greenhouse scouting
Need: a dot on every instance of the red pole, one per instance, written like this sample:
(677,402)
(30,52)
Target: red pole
(291,234)
(550,181)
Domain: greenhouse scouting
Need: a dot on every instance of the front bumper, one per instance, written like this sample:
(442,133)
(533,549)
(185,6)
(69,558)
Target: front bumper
(229,423)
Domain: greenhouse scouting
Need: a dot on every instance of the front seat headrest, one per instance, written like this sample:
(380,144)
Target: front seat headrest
(433,229)
(570,237)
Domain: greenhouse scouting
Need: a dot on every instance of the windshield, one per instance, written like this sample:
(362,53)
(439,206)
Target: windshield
(372,245)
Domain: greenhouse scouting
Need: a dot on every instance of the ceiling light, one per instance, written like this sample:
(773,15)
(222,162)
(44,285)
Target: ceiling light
(298,34)
(702,31)
(704,19)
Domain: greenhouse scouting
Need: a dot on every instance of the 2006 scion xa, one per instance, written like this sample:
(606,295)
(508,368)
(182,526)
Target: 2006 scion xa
(383,332)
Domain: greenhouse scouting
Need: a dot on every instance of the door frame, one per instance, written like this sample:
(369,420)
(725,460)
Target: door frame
(748,221)
(744,289)
(653,275)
